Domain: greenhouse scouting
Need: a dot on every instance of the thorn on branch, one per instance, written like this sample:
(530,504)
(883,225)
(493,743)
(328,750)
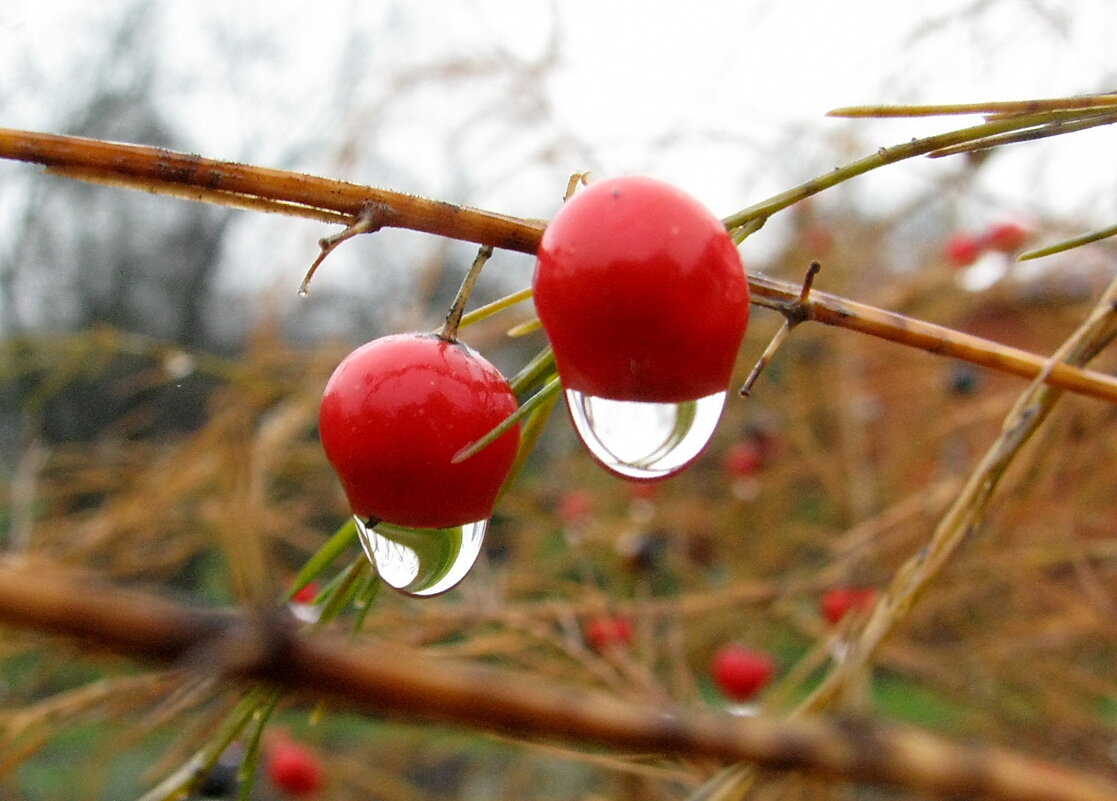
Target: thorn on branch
(794,314)
(371,218)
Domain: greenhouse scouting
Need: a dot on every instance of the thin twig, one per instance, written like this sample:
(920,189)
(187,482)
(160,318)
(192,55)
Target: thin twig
(992,107)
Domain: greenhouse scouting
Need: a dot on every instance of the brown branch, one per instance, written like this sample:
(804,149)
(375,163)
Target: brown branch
(259,188)
(156,169)
(389,679)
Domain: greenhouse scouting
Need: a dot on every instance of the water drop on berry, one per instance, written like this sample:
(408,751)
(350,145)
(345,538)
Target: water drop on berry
(644,441)
(421,562)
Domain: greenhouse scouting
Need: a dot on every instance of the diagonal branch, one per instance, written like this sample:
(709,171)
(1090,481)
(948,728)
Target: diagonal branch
(967,511)
(262,189)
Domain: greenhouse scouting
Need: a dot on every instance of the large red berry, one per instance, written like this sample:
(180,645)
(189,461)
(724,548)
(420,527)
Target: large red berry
(292,767)
(641,292)
(394,414)
(741,672)
(835,604)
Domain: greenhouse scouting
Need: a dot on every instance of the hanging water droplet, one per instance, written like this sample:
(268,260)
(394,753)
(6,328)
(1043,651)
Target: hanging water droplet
(421,561)
(644,440)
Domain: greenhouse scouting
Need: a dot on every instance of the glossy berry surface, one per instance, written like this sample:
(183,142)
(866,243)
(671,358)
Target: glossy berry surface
(835,604)
(642,293)
(605,632)
(293,768)
(741,672)
(394,414)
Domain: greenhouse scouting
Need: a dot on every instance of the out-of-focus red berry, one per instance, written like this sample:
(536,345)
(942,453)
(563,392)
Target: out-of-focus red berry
(741,672)
(1007,236)
(292,767)
(818,239)
(306,594)
(575,505)
(835,604)
(743,459)
(962,250)
(642,490)
(609,631)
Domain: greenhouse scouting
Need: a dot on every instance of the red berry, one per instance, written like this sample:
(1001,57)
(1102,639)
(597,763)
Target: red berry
(292,767)
(306,594)
(575,505)
(962,250)
(741,672)
(819,239)
(1006,237)
(395,413)
(603,633)
(743,459)
(835,604)
(642,490)
(641,292)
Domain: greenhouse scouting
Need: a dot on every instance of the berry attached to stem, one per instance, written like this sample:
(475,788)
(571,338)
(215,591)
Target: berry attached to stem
(394,414)
(641,292)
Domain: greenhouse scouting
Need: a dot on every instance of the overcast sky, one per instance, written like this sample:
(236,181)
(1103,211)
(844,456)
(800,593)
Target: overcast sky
(724,97)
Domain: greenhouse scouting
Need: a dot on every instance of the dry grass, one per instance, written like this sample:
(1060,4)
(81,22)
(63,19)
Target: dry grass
(1012,643)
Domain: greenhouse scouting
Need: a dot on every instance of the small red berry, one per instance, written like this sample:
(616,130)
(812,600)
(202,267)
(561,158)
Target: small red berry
(292,767)
(306,594)
(642,490)
(1006,237)
(819,239)
(740,672)
(835,604)
(641,292)
(743,459)
(394,414)
(575,505)
(606,632)
(962,250)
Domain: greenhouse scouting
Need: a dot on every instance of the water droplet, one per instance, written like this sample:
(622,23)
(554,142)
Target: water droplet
(422,561)
(307,613)
(644,440)
(743,710)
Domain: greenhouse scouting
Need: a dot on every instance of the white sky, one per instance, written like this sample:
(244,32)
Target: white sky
(726,98)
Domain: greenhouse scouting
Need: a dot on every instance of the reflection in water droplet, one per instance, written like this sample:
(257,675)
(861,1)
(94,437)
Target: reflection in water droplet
(421,561)
(644,440)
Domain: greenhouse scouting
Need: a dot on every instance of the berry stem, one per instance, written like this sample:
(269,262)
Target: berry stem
(449,330)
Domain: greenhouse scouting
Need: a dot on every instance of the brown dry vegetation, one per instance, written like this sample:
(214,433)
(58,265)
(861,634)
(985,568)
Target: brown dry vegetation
(1012,644)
